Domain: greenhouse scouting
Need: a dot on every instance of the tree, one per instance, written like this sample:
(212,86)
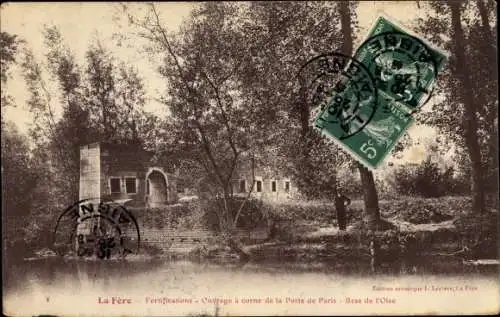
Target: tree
(131,99)
(481,42)
(8,50)
(115,97)
(465,94)
(293,33)
(99,89)
(371,210)
(18,183)
(213,128)
(39,102)
(73,129)
(18,179)
(104,103)
(428,179)
(469,93)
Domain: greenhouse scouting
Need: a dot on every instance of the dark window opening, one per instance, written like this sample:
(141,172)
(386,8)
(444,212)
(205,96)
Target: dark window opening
(130,185)
(287,187)
(115,185)
(147,187)
(259,186)
(273,186)
(180,188)
(243,186)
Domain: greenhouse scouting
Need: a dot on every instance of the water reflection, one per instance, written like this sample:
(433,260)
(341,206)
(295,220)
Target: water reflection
(90,273)
(61,281)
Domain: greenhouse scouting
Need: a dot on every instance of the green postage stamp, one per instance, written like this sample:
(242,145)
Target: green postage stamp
(390,76)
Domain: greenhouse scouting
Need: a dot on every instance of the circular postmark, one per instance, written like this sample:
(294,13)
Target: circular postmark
(403,66)
(342,90)
(103,229)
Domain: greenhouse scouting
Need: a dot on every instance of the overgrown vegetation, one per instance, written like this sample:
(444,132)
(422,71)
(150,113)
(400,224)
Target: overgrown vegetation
(479,234)
(428,179)
(228,56)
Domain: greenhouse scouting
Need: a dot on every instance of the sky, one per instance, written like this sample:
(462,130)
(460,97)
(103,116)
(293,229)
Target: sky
(80,22)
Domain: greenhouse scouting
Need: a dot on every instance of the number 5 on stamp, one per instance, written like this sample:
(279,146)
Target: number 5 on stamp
(390,76)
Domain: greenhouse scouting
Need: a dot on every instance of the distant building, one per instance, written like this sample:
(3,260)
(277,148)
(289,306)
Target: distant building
(123,173)
(270,185)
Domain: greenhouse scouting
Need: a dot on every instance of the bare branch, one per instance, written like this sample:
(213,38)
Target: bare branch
(225,119)
(206,146)
(167,44)
(51,122)
(164,40)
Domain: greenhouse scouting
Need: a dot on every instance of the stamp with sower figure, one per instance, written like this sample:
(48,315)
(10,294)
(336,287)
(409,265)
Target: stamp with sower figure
(368,105)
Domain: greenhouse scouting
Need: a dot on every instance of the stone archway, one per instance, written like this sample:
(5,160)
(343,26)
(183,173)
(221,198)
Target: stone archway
(156,188)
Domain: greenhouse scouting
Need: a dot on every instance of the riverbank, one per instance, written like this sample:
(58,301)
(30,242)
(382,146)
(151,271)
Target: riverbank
(307,231)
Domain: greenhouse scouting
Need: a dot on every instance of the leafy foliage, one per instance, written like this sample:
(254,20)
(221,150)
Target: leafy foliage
(289,33)
(467,92)
(102,102)
(18,184)
(427,180)
(9,44)
(323,213)
(418,210)
(8,49)
(231,90)
(479,234)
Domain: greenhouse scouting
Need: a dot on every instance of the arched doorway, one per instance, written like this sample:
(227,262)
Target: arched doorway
(156,189)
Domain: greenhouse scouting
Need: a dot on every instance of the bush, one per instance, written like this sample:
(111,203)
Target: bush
(312,211)
(479,233)
(426,215)
(253,214)
(428,180)
(202,213)
(425,210)
(385,190)
(161,217)
(352,187)
(151,250)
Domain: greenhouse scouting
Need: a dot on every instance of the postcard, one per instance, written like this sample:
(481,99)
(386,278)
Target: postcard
(249,158)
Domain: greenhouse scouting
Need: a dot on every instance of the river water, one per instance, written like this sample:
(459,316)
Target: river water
(56,286)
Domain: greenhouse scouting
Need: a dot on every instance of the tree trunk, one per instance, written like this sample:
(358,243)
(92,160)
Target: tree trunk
(236,246)
(483,13)
(229,228)
(304,115)
(371,213)
(492,117)
(234,242)
(345,21)
(337,202)
(467,98)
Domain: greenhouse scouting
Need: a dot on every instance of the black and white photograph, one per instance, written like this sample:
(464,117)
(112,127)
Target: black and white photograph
(276,158)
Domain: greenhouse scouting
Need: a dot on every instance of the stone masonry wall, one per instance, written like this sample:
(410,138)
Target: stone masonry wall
(90,171)
(164,230)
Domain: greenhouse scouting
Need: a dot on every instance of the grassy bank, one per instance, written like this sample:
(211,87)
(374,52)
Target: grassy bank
(308,230)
